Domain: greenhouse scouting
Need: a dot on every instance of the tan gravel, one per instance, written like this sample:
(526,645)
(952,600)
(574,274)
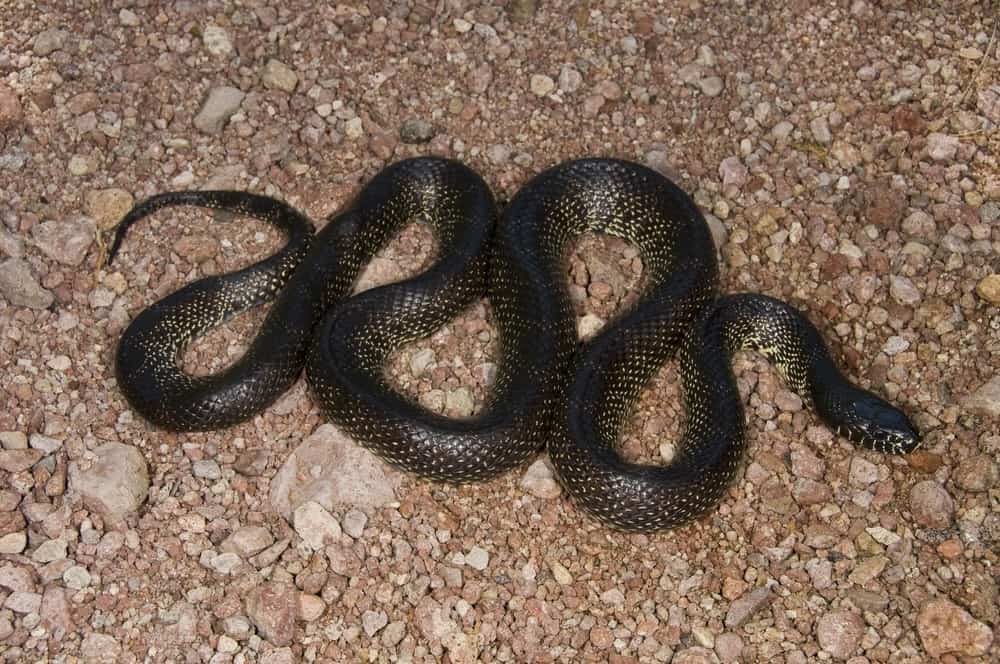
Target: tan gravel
(846,153)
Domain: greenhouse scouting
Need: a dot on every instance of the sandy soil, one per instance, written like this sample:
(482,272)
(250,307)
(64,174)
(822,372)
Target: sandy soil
(846,154)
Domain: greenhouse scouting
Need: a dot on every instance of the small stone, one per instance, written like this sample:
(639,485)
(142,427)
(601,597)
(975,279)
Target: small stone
(539,480)
(609,90)
(279,76)
(373,621)
(393,633)
(221,103)
(225,563)
(315,525)
(976,474)
(278,656)
(931,505)
(711,86)
(247,541)
(477,558)
(522,11)
(542,85)
(23,602)
(354,128)
(882,535)
(311,607)
(863,472)
(17,460)
(942,147)
(100,648)
(820,130)
(314,472)
(592,105)
(19,286)
(570,79)
(728,647)
(416,130)
(733,172)
(810,492)
(499,154)
(49,551)
(988,102)
(128,18)
(787,401)
(601,637)
(10,108)
(65,241)
(782,130)
(13,440)
(76,577)
(13,542)
(560,574)
(216,40)
(273,608)
(48,41)
(986,399)
(206,469)
(115,484)
(945,628)
(227,645)
(613,597)
(988,288)
(107,206)
(459,402)
(839,633)
(903,290)
(742,609)
(868,570)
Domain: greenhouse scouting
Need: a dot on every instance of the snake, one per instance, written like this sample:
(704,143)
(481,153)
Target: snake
(552,391)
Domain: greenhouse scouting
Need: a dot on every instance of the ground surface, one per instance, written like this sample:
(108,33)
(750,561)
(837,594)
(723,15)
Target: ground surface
(849,151)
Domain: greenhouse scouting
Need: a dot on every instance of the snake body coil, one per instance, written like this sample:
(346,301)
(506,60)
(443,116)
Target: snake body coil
(550,391)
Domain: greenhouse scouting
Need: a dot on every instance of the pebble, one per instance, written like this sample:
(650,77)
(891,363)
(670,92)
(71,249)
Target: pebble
(48,41)
(225,563)
(416,130)
(278,656)
(115,484)
(13,440)
(942,147)
(459,402)
(354,523)
(129,18)
(65,241)
(539,480)
(23,602)
(711,86)
(216,40)
(206,469)
(499,154)
(246,541)
(988,288)
(570,79)
(560,574)
(988,102)
(945,627)
(17,460)
(311,607)
(13,542)
(393,633)
(477,558)
(76,577)
(100,648)
(820,130)
(273,608)
(729,647)
(985,400)
(863,472)
(107,206)
(19,286)
(49,551)
(220,105)
(276,75)
(542,85)
(976,474)
(373,621)
(10,108)
(931,505)
(903,290)
(733,172)
(315,525)
(314,472)
(745,607)
(839,633)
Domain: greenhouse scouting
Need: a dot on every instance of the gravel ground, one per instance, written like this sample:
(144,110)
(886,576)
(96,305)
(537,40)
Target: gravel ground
(847,153)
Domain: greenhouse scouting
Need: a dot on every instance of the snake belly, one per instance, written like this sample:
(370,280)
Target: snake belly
(550,391)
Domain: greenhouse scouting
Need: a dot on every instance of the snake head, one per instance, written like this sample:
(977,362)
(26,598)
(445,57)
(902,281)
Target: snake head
(873,423)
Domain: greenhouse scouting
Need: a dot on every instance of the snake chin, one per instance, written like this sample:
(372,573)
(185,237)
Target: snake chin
(873,423)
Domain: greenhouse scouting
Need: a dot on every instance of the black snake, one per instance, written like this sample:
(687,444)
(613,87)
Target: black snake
(550,391)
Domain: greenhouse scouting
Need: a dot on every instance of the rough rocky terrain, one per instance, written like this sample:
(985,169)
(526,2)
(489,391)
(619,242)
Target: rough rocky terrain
(847,155)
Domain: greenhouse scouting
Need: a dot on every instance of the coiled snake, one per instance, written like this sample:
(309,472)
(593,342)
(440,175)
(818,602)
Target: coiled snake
(550,391)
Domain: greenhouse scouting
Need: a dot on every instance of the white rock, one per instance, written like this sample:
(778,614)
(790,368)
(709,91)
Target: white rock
(277,75)
(477,558)
(315,525)
(354,523)
(19,286)
(115,483)
(542,85)
(942,147)
(219,106)
(315,472)
(216,40)
(540,481)
(49,551)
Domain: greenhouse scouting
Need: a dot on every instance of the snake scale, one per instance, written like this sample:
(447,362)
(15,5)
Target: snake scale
(550,390)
